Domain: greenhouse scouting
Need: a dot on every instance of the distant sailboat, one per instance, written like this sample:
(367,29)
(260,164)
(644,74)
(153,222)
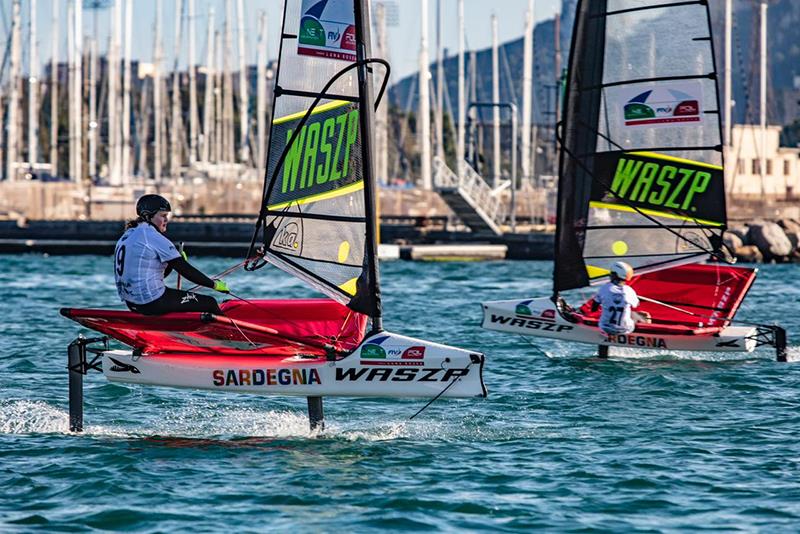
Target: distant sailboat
(641,180)
(317,223)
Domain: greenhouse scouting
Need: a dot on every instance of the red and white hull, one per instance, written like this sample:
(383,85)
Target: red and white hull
(383,365)
(538,317)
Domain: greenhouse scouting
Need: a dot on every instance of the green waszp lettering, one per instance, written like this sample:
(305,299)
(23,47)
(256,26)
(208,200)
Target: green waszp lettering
(310,157)
(645,181)
(323,171)
(352,134)
(668,173)
(699,185)
(341,121)
(626,173)
(686,174)
(292,161)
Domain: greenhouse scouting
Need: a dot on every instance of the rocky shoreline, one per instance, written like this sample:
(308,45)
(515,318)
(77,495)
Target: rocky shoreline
(765,242)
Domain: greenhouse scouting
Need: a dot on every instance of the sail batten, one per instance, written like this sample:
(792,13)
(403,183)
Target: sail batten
(641,175)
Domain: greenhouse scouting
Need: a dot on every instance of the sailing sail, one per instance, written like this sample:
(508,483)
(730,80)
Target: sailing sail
(641,176)
(317,204)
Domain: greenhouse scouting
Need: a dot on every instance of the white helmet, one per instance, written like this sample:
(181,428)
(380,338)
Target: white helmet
(621,271)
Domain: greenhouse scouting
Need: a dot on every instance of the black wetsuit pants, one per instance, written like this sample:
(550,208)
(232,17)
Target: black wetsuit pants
(176,300)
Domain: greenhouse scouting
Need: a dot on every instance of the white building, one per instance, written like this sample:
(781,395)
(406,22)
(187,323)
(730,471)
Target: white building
(745,180)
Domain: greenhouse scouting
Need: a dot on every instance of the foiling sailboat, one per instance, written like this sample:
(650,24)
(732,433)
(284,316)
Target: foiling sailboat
(641,180)
(318,223)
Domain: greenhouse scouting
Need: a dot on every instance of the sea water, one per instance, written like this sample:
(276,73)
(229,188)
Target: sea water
(565,441)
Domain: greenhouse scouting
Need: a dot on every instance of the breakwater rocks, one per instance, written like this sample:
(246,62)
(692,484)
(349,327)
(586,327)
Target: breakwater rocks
(764,241)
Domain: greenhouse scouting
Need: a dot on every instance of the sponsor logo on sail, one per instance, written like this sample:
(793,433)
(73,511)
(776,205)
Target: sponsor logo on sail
(658,182)
(288,237)
(663,106)
(320,158)
(327,29)
(265,377)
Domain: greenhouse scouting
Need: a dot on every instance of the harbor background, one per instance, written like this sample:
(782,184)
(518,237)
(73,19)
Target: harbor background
(93,117)
(563,442)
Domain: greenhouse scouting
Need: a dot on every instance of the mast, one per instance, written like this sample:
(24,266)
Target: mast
(424,102)
(763,99)
(54,94)
(462,105)
(33,91)
(228,143)
(113,97)
(527,89)
(192,88)
(439,83)
(13,104)
(92,133)
(78,80)
(219,126)
(495,109)
(127,167)
(175,126)
(157,97)
(366,119)
(208,101)
(728,70)
(261,93)
(381,131)
(244,100)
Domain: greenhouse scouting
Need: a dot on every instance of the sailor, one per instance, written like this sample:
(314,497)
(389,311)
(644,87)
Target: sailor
(617,299)
(144,257)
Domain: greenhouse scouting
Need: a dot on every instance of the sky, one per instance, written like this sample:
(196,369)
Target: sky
(403,37)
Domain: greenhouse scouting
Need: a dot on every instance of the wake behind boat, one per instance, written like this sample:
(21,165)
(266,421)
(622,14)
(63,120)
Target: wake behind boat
(641,179)
(318,223)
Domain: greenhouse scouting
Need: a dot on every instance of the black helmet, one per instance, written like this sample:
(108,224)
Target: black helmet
(149,205)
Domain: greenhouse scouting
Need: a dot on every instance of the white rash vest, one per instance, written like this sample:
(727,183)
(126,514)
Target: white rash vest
(140,258)
(616,302)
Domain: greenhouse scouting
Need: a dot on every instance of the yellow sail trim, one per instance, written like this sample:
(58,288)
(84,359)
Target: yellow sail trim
(654,213)
(676,160)
(319,109)
(349,287)
(346,190)
(596,272)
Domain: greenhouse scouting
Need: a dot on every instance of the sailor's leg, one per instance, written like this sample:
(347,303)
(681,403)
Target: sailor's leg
(175,300)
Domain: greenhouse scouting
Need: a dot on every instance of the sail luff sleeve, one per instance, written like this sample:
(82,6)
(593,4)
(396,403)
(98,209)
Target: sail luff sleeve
(367,117)
(581,107)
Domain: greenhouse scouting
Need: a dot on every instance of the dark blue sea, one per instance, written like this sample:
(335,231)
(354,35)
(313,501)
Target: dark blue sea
(564,442)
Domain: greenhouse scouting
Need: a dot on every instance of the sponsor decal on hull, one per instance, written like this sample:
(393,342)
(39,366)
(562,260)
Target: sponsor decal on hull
(635,340)
(121,367)
(265,377)
(373,353)
(530,324)
(389,374)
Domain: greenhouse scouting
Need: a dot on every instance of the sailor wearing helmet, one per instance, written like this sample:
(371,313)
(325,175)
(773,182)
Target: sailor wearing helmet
(144,257)
(617,299)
